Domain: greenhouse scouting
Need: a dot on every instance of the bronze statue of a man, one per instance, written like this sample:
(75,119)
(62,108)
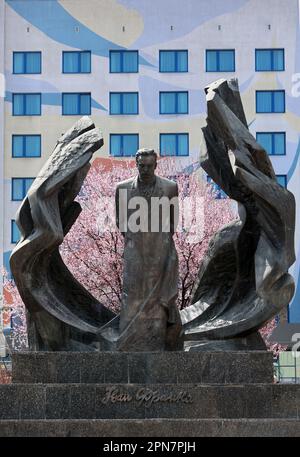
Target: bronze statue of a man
(146,214)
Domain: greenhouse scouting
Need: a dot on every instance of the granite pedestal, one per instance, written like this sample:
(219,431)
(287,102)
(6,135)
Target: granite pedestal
(147,394)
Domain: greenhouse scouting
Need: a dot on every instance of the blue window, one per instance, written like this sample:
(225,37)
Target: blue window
(281,179)
(123,103)
(123,61)
(76,61)
(73,104)
(219,193)
(173,61)
(174,144)
(124,144)
(270,101)
(173,103)
(20,187)
(26,104)
(26,145)
(220,60)
(15,232)
(269,59)
(272,142)
(27,63)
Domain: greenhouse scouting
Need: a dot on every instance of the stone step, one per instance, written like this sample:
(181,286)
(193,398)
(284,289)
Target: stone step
(176,428)
(143,401)
(233,367)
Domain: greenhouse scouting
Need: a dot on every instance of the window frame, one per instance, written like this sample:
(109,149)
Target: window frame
(273,142)
(272,58)
(12,224)
(176,102)
(79,104)
(122,135)
(121,104)
(24,156)
(23,186)
(176,60)
(79,63)
(177,134)
(285,180)
(218,61)
(24,103)
(122,52)
(25,72)
(272,91)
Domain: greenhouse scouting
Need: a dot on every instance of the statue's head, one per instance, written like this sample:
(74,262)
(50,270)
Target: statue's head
(146,162)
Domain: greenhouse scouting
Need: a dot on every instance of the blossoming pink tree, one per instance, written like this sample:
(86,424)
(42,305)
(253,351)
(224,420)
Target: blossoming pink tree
(266,332)
(93,248)
(14,312)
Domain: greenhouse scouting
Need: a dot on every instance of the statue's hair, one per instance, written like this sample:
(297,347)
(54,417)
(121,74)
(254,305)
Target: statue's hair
(145,152)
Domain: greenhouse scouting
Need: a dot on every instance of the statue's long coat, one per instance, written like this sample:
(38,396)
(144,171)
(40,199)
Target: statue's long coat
(149,318)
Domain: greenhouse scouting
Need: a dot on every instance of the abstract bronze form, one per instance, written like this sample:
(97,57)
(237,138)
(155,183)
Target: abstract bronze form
(243,280)
(62,315)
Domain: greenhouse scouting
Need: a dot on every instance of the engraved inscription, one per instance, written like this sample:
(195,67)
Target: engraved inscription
(115,395)
(145,396)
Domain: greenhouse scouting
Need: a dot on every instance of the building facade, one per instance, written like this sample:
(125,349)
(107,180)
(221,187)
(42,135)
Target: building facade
(139,69)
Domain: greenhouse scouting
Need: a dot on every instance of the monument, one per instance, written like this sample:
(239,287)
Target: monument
(152,371)
(243,280)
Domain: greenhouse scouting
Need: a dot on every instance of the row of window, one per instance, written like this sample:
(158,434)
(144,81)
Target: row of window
(20,186)
(119,103)
(31,104)
(170,61)
(126,103)
(24,186)
(126,144)
(121,145)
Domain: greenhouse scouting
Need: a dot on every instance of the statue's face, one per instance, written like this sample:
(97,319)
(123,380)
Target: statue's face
(146,166)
